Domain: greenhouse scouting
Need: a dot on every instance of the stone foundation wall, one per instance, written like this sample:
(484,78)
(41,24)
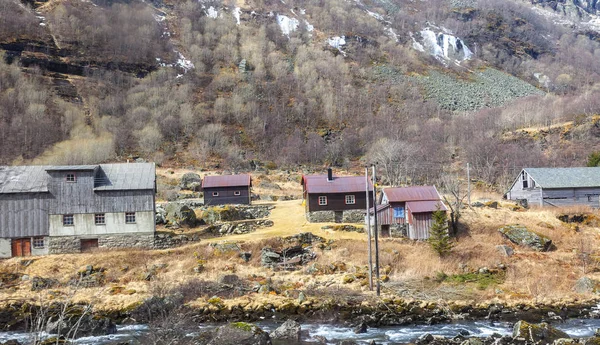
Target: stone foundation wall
(72,244)
(349,216)
(399,230)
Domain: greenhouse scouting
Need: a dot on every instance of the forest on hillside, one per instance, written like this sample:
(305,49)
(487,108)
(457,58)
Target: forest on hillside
(185,83)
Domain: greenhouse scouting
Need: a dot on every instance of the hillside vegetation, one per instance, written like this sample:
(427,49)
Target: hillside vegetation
(235,85)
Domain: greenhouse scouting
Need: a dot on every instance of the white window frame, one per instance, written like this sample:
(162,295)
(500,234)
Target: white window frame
(71,178)
(215,193)
(129,217)
(36,243)
(100,218)
(237,193)
(322,200)
(350,199)
(68,223)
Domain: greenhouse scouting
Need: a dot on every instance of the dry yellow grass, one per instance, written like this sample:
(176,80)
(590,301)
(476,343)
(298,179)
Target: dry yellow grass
(530,275)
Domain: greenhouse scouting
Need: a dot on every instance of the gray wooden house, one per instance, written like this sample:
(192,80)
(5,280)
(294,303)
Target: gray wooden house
(65,209)
(408,211)
(227,189)
(329,198)
(557,186)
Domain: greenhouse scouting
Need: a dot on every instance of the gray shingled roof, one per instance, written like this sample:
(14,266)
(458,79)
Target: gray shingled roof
(23,179)
(565,177)
(125,176)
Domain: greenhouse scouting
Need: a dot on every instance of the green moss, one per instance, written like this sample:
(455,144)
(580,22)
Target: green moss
(483,280)
(248,327)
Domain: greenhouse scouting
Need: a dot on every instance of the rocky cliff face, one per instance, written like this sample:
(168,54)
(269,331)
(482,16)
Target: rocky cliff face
(572,8)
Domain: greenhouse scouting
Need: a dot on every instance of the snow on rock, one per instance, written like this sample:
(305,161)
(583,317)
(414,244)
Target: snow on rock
(443,45)
(183,62)
(392,34)
(287,24)
(375,15)
(236,14)
(211,12)
(309,27)
(159,18)
(337,42)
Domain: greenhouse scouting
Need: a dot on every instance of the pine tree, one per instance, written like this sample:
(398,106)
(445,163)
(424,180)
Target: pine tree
(439,239)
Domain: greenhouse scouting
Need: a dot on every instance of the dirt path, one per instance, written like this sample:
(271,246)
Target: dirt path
(288,218)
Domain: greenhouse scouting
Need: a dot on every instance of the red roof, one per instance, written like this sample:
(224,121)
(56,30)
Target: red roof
(226,181)
(340,184)
(425,206)
(416,193)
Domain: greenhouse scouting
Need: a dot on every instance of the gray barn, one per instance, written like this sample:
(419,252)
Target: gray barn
(557,186)
(61,209)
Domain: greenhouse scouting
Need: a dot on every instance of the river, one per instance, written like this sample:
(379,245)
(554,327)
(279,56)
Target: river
(385,335)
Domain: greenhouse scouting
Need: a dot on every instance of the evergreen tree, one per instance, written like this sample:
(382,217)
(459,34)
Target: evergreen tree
(439,239)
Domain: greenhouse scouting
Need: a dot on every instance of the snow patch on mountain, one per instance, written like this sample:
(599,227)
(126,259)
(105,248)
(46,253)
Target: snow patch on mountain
(443,45)
(211,12)
(337,42)
(236,14)
(287,24)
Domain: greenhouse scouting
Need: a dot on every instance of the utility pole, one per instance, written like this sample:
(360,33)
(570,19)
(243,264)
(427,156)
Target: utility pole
(469,184)
(369,230)
(376,233)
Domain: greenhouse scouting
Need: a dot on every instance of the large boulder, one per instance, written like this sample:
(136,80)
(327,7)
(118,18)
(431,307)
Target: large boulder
(191,181)
(585,285)
(240,333)
(540,333)
(289,330)
(180,214)
(519,234)
(161,215)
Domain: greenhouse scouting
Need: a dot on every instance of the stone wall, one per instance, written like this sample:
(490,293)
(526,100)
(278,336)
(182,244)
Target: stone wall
(399,230)
(72,244)
(348,216)
(168,240)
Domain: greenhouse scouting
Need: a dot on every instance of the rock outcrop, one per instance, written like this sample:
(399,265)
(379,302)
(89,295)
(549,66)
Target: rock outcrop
(240,333)
(289,330)
(519,234)
(191,181)
(541,333)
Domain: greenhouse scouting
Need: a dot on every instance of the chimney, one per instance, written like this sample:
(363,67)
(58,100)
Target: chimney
(329,175)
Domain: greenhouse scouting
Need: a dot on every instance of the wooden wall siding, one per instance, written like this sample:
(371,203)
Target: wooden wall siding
(103,201)
(23,215)
(386,217)
(226,196)
(419,228)
(533,196)
(337,202)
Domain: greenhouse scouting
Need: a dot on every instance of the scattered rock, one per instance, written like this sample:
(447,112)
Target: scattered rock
(287,258)
(246,256)
(585,285)
(229,279)
(505,250)
(535,333)
(361,328)
(348,228)
(492,204)
(191,181)
(289,330)
(425,338)
(240,333)
(40,283)
(269,185)
(11,342)
(477,204)
(519,234)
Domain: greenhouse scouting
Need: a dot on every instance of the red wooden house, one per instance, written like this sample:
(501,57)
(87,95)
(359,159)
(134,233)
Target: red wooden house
(408,211)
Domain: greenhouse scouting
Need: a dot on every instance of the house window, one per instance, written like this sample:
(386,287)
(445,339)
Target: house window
(100,219)
(350,200)
(71,177)
(398,212)
(215,194)
(524,178)
(68,220)
(322,200)
(130,217)
(38,242)
(237,192)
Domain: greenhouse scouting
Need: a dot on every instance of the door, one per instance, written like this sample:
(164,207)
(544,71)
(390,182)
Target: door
(89,244)
(21,247)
